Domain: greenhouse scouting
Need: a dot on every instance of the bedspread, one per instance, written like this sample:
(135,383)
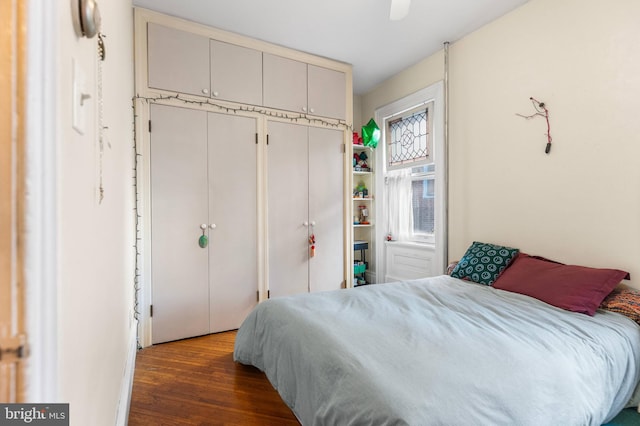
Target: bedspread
(441,351)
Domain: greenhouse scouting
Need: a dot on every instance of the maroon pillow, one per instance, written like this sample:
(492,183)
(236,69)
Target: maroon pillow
(570,287)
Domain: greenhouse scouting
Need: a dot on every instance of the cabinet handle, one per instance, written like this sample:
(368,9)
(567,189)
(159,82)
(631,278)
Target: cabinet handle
(305,223)
(215,94)
(304,109)
(313,223)
(311,110)
(203,226)
(205,91)
(213,226)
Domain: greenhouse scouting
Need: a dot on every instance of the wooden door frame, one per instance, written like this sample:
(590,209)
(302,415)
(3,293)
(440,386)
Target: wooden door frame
(12,197)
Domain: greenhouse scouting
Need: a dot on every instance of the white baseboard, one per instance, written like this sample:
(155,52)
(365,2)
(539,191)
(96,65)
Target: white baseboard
(122,416)
(370,276)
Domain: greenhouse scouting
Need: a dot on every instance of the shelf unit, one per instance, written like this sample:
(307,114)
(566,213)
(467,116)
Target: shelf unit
(363,220)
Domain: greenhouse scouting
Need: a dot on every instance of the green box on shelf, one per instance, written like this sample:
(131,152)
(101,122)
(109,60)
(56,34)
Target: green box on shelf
(359,268)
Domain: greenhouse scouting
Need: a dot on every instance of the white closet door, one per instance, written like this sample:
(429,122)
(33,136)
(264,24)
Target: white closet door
(288,209)
(284,83)
(179,267)
(178,60)
(326,92)
(232,219)
(236,73)
(326,208)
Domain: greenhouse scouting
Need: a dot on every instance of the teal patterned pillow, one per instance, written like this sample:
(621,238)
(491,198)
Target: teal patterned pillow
(483,263)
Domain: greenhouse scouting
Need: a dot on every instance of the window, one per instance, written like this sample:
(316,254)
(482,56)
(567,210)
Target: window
(409,140)
(412,161)
(409,158)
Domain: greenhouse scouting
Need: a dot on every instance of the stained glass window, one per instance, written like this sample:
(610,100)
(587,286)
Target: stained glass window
(409,138)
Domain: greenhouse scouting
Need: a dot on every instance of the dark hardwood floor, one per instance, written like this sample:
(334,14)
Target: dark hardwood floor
(196,382)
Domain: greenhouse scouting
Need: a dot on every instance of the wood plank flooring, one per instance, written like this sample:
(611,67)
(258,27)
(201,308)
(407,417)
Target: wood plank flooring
(196,382)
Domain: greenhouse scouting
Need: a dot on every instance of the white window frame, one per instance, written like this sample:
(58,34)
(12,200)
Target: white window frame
(433,93)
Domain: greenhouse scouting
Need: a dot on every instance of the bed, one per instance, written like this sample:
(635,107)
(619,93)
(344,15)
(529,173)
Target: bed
(441,351)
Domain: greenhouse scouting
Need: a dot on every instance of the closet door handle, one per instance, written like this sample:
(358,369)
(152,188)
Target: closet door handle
(305,223)
(213,226)
(313,223)
(205,91)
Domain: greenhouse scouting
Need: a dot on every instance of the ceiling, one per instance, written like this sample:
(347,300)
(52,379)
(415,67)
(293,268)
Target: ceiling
(358,32)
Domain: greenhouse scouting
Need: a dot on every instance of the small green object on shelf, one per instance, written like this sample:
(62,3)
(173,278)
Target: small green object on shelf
(203,241)
(371,134)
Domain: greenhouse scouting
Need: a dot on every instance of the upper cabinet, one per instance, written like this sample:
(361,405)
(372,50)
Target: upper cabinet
(236,73)
(190,63)
(296,86)
(177,60)
(191,59)
(285,83)
(326,89)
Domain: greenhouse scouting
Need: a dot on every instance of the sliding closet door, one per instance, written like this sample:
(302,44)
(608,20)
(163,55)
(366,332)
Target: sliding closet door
(233,229)
(288,209)
(179,266)
(326,208)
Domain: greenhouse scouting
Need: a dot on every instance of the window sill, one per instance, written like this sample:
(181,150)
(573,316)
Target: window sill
(412,244)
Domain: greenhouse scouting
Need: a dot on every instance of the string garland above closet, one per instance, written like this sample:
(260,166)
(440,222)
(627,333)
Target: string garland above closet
(207,103)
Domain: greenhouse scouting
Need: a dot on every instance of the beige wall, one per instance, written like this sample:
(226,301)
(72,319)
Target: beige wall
(414,78)
(95,283)
(580,203)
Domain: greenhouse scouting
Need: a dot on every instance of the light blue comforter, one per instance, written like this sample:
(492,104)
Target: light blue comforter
(441,351)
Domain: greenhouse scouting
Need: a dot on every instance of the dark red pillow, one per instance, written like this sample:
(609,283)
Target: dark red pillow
(570,287)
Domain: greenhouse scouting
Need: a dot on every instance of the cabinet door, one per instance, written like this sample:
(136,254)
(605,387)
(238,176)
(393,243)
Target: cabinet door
(179,267)
(288,209)
(178,61)
(327,91)
(233,268)
(236,73)
(285,83)
(326,208)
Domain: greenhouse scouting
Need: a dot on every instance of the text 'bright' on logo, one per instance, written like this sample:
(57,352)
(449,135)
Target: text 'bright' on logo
(36,414)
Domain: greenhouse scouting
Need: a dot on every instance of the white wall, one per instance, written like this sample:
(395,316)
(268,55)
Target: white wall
(579,204)
(95,254)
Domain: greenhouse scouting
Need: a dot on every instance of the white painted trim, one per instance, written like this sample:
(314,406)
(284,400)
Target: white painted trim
(434,92)
(409,260)
(393,279)
(41,249)
(122,415)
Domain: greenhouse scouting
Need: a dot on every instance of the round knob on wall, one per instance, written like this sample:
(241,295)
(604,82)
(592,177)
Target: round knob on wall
(213,226)
(311,110)
(205,91)
(305,223)
(304,109)
(203,226)
(215,94)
